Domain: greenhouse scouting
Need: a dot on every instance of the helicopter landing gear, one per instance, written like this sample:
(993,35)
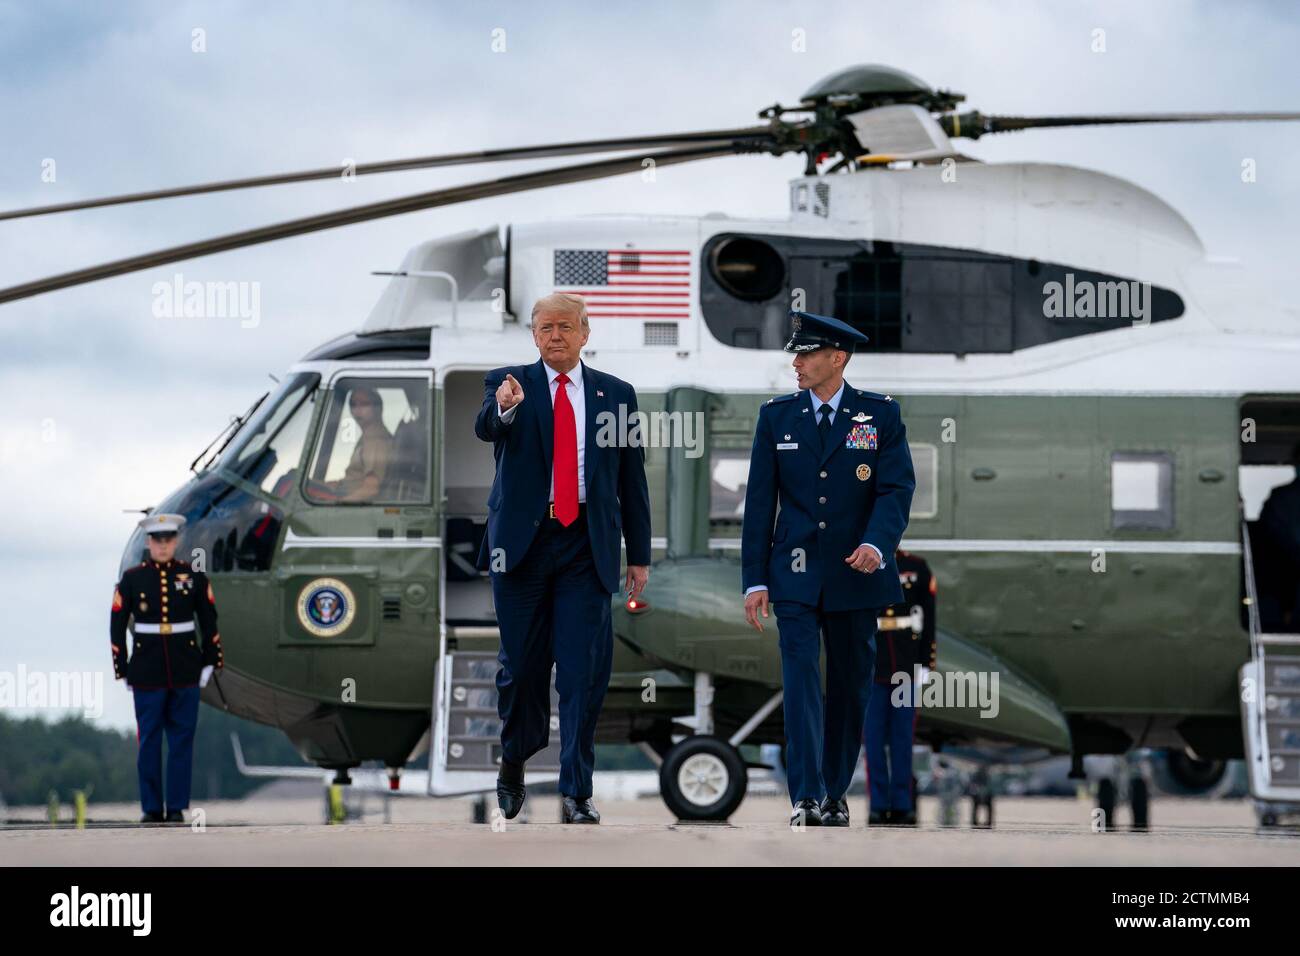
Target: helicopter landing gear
(703,777)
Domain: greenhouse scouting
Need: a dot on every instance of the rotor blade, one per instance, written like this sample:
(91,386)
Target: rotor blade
(379,210)
(976,124)
(399,165)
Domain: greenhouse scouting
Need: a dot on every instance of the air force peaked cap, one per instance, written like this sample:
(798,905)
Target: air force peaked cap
(812,332)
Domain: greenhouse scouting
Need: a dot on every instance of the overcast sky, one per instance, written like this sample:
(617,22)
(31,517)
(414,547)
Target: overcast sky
(106,404)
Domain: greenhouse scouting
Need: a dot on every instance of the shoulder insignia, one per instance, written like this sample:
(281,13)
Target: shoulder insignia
(211,599)
(117,599)
(783,398)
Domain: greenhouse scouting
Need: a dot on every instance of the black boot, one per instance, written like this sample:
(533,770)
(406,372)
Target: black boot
(807,813)
(510,788)
(579,811)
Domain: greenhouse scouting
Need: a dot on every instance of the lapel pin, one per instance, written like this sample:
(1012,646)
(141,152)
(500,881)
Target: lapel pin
(599,393)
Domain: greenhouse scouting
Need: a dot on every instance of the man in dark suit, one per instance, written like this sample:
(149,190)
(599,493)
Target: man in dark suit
(835,459)
(560,502)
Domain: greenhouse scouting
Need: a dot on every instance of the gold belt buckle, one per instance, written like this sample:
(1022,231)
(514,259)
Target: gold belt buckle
(164,628)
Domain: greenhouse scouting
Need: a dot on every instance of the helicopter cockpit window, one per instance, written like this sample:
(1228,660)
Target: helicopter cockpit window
(270,450)
(374,444)
(1142,490)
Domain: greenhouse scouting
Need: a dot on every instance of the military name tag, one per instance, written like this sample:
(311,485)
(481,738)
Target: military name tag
(786,446)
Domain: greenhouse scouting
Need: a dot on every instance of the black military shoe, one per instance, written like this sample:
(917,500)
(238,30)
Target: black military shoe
(905,819)
(510,789)
(175,816)
(835,813)
(153,816)
(806,813)
(579,811)
(878,818)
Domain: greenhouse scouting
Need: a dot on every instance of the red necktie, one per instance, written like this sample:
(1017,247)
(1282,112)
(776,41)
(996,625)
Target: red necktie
(565,463)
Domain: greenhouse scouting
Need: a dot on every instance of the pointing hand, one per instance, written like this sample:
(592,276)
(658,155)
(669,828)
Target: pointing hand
(510,393)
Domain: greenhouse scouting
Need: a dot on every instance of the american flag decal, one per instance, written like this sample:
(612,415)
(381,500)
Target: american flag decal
(627,283)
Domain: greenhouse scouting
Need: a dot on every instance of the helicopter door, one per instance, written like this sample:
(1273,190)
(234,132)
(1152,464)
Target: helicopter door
(363,548)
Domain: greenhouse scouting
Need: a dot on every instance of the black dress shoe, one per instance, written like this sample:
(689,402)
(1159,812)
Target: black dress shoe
(906,818)
(835,813)
(175,816)
(878,818)
(153,816)
(806,813)
(579,811)
(510,789)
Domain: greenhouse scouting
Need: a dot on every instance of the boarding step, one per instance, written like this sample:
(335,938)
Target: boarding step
(1270,711)
(472,729)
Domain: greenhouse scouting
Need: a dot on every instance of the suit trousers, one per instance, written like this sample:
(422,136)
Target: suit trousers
(823,734)
(553,611)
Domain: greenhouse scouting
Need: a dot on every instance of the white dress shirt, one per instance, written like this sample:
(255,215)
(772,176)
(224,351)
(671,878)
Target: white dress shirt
(817,403)
(578,399)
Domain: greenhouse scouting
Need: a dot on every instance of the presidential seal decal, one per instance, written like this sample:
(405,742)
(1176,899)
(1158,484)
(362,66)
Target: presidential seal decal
(864,472)
(326,607)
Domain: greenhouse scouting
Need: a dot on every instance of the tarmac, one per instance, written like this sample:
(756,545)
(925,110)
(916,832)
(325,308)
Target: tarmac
(264,831)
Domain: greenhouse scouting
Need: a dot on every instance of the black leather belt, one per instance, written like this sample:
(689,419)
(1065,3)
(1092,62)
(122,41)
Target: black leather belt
(582,510)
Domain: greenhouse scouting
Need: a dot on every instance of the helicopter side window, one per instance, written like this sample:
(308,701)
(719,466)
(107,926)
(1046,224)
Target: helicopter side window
(728,476)
(925,465)
(269,456)
(374,444)
(1142,490)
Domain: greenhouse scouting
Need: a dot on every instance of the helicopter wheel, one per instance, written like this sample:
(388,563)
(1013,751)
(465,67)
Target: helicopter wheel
(703,778)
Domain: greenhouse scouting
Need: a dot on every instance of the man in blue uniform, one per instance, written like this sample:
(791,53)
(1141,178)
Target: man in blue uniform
(905,645)
(834,458)
(161,600)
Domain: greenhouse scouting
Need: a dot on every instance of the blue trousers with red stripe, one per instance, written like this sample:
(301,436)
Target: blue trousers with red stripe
(889,725)
(175,713)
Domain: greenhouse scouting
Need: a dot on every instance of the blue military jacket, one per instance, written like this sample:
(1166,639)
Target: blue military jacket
(857,489)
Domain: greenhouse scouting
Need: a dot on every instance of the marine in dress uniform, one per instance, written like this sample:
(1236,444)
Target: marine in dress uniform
(905,645)
(834,459)
(172,615)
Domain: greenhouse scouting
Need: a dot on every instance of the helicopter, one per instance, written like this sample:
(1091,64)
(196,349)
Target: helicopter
(1074,374)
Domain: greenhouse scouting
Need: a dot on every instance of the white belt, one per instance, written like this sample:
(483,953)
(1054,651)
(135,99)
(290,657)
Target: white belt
(180,628)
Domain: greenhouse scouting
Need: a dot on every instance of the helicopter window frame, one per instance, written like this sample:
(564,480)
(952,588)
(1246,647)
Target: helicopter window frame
(933,475)
(1157,485)
(327,433)
(236,464)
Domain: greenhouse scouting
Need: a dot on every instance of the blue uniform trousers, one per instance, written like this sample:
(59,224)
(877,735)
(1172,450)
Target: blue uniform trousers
(174,712)
(889,724)
(824,737)
(552,609)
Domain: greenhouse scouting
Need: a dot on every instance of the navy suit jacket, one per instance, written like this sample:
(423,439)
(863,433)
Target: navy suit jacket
(832,499)
(618,499)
